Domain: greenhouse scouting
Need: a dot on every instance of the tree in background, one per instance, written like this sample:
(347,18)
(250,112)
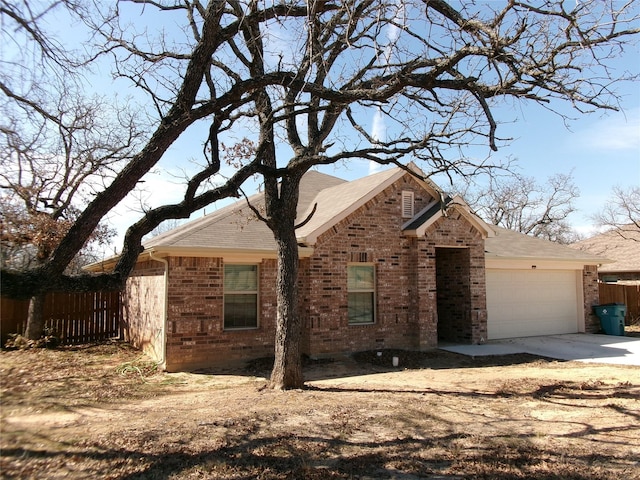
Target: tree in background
(58,146)
(53,160)
(312,83)
(522,204)
(621,213)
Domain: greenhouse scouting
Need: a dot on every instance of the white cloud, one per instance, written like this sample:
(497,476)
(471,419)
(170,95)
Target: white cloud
(379,128)
(619,132)
(379,134)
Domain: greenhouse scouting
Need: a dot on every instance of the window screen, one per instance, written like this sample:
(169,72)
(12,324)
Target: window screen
(361,293)
(240,296)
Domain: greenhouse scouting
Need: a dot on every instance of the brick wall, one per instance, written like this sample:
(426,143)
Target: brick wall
(453,294)
(195,336)
(451,275)
(407,305)
(372,234)
(591,297)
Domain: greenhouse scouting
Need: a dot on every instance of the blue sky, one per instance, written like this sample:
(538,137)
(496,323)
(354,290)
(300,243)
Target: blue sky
(600,150)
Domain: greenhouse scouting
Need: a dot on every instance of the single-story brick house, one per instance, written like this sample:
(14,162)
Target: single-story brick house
(382,265)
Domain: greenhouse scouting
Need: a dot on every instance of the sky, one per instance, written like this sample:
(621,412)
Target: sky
(600,151)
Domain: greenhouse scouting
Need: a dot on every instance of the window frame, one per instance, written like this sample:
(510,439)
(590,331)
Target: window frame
(225,292)
(372,291)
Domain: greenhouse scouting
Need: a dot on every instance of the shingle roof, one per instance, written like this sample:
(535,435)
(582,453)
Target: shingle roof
(236,226)
(625,252)
(336,202)
(427,214)
(509,244)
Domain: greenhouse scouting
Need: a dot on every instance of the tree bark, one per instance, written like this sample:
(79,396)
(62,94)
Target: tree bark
(287,367)
(35,317)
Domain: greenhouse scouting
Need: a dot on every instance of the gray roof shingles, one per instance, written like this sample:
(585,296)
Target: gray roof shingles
(515,245)
(236,227)
(624,251)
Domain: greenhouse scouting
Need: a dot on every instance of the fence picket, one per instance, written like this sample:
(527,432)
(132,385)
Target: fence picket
(75,317)
(627,294)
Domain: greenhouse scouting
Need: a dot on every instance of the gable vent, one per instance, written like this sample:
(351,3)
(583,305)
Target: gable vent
(407,204)
(361,257)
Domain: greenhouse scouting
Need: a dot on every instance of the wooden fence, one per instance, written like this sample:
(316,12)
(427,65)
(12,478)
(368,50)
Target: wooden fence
(627,294)
(73,317)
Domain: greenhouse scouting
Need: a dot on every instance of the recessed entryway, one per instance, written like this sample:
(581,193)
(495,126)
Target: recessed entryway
(453,294)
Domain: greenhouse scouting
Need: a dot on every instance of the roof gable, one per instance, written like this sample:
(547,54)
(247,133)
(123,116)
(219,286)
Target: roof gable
(334,204)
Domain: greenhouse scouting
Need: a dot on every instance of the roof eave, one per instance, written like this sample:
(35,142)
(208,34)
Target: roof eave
(229,254)
(542,258)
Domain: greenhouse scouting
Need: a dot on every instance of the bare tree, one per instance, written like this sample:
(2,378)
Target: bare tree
(52,162)
(516,52)
(57,148)
(305,81)
(621,213)
(522,204)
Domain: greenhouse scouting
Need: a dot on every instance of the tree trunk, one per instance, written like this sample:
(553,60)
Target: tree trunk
(35,317)
(287,368)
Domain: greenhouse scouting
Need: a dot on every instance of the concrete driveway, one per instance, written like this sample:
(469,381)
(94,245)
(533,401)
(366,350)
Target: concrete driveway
(582,347)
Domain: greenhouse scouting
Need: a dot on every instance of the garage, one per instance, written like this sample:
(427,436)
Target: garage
(523,303)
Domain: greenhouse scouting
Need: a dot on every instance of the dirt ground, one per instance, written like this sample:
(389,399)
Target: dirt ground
(104,411)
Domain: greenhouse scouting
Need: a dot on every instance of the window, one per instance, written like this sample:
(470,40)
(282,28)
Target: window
(407,204)
(361,293)
(240,296)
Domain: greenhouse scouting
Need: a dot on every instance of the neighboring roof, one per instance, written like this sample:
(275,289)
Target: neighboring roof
(511,245)
(625,252)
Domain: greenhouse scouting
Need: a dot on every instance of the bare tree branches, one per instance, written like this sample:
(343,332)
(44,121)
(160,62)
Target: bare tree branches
(621,214)
(306,82)
(524,205)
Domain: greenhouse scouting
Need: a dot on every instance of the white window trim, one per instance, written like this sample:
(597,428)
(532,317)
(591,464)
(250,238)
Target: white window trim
(360,290)
(242,292)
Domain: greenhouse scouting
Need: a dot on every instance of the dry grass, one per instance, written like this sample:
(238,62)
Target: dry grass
(103,411)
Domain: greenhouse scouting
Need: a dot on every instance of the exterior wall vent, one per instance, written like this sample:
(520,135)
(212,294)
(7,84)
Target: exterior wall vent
(359,257)
(407,204)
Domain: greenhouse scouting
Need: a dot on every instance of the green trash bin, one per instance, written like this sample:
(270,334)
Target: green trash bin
(611,317)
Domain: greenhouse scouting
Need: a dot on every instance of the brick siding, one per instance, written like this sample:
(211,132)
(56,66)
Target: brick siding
(591,295)
(406,307)
(195,335)
(428,289)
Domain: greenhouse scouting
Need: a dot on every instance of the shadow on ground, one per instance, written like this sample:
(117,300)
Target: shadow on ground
(382,361)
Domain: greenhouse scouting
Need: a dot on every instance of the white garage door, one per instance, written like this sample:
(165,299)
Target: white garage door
(523,303)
